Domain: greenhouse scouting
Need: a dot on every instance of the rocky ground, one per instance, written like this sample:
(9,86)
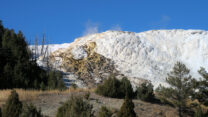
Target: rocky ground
(49,103)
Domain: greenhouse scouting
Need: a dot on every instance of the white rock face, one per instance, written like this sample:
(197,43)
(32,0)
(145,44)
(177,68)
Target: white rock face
(46,50)
(79,53)
(149,55)
(50,48)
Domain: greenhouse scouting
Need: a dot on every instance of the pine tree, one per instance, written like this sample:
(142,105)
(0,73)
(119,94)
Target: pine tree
(126,88)
(75,107)
(6,39)
(1,32)
(145,92)
(13,106)
(18,69)
(19,75)
(202,86)
(127,109)
(22,49)
(55,80)
(8,75)
(180,87)
(104,112)
(110,88)
(30,111)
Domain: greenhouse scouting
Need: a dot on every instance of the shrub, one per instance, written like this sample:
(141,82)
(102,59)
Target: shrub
(55,80)
(114,88)
(126,88)
(104,112)
(30,111)
(13,106)
(75,107)
(110,88)
(145,92)
(162,94)
(127,109)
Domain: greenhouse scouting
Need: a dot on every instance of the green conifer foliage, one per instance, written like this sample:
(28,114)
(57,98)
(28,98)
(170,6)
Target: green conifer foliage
(13,106)
(126,88)
(114,88)
(55,80)
(104,112)
(180,87)
(145,92)
(202,86)
(110,88)
(8,74)
(1,32)
(18,69)
(127,109)
(30,111)
(75,107)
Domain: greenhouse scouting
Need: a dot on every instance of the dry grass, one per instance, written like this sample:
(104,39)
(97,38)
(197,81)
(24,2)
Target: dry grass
(28,95)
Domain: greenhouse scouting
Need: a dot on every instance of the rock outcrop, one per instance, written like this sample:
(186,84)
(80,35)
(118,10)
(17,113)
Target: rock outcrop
(147,55)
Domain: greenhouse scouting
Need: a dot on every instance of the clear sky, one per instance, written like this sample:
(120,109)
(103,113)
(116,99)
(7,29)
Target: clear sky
(64,20)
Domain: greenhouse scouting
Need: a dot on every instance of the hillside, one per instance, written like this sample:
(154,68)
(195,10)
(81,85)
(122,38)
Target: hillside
(140,56)
(50,101)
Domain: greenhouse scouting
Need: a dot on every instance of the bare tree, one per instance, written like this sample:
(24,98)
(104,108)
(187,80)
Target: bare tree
(41,50)
(35,51)
(43,44)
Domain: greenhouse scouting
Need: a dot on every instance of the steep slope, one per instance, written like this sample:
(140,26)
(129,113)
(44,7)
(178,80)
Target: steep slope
(147,55)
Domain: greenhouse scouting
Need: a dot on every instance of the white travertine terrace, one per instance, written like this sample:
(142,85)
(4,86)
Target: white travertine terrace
(149,55)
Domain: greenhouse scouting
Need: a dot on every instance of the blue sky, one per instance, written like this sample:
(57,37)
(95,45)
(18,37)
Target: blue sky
(64,20)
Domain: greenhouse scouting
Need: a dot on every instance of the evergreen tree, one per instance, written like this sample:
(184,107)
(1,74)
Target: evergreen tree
(145,92)
(104,112)
(42,86)
(6,69)
(8,74)
(22,48)
(127,109)
(1,33)
(13,106)
(52,80)
(180,87)
(202,86)
(30,111)
(6,39)
(55,80)
(75,107)
(110,88)
(18,69)
(114,88)
(126,88)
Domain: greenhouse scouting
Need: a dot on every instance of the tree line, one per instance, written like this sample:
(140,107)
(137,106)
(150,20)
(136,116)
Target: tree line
(19,69)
